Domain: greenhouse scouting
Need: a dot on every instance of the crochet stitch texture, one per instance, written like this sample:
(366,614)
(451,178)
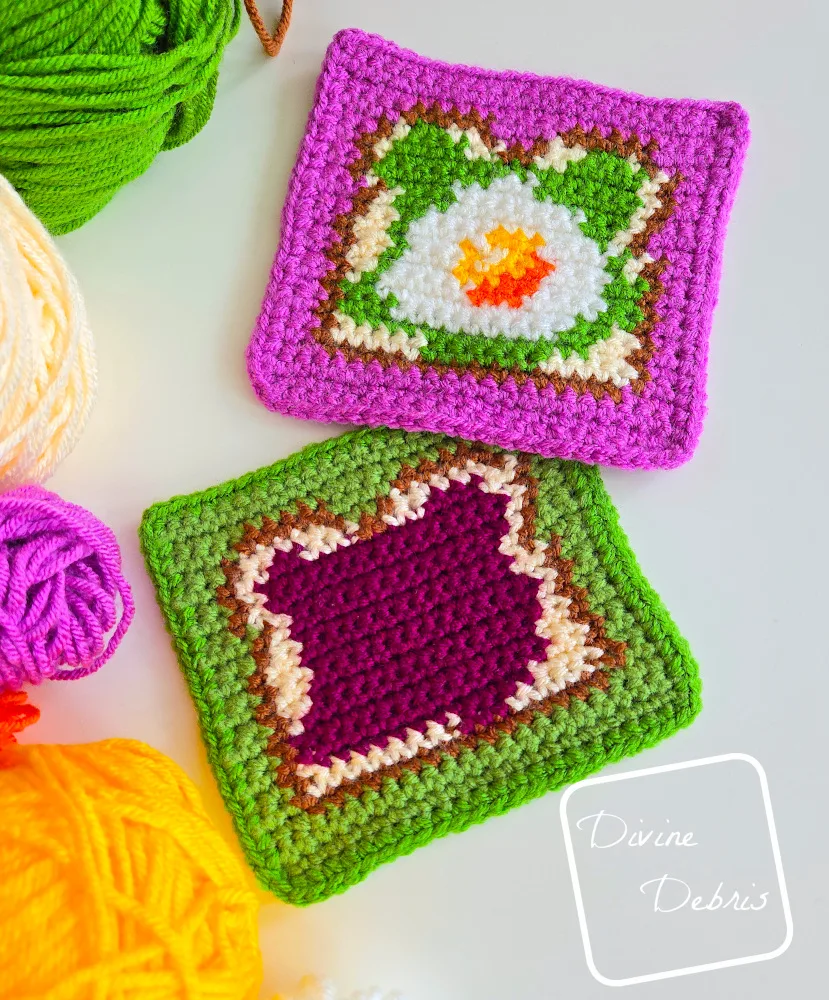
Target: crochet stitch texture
(391,636)
(528,261)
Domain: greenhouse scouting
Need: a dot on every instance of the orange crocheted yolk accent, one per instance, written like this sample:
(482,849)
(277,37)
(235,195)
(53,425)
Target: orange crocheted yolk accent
(507,271)
(15,715)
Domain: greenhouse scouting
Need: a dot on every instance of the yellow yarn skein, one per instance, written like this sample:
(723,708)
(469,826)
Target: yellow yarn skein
(114,885)
(47,363)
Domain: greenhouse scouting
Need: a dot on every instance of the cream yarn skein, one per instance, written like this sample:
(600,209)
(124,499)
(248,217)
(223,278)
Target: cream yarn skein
(47,361)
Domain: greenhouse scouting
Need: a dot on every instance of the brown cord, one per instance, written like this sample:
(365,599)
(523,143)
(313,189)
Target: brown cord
(271,43)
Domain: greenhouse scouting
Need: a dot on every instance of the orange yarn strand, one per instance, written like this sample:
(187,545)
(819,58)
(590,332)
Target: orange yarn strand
(15,715)
(271,43)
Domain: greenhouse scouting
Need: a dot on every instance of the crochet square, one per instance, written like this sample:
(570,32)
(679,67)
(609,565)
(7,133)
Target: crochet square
(528,261)
(391,636)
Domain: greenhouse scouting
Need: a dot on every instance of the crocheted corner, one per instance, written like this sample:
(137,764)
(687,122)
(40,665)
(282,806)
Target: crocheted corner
(528,261)
(391,636)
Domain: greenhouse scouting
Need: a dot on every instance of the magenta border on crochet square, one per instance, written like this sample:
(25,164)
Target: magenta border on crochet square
(365,77)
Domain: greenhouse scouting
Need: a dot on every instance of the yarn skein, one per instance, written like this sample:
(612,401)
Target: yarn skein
(115,883)
(92,90)
(47,364)
(64,604)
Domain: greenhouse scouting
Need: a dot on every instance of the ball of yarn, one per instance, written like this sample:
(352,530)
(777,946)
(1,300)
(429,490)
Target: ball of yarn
(64,605)
(92,90)
(115,883)
(47,364)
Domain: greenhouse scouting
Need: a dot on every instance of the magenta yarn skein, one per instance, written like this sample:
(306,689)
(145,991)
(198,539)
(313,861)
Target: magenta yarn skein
(64,604)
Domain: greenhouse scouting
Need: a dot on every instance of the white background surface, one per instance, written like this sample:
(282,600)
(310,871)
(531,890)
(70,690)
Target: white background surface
(735,541)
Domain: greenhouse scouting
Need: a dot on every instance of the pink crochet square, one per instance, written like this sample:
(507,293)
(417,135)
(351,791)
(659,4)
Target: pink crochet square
(531,262)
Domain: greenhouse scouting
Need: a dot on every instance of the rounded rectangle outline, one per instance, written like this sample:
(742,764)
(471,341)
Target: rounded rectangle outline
(688,970)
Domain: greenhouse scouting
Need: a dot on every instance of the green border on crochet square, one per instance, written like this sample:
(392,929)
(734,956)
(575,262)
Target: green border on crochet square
(303,857)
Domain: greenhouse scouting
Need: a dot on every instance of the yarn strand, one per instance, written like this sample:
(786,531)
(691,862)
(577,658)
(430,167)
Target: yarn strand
(15,715)
(271,43)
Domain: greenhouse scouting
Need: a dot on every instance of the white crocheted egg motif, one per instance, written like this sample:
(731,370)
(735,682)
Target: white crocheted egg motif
(499,260)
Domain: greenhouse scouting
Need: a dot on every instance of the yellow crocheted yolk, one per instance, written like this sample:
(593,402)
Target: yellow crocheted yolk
(506,252)
(507,271)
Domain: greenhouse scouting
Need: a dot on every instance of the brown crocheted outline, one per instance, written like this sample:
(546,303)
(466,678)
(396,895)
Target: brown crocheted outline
(279,746)
(343,227)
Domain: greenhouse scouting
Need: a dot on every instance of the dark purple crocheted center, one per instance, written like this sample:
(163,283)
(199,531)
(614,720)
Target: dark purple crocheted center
(424,619)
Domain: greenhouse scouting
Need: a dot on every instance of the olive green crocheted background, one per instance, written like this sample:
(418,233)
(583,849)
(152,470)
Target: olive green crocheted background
(304,857)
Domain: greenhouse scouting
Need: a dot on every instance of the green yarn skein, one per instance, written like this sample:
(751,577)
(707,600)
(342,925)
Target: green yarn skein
(92,90)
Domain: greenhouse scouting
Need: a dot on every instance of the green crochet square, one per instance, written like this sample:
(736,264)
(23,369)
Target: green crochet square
(391,636)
